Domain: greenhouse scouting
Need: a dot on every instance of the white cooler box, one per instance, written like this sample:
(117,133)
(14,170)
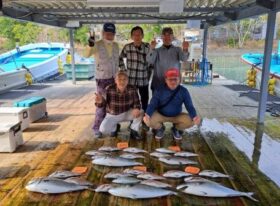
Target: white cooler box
(10,136)
(15,114)
(37,107)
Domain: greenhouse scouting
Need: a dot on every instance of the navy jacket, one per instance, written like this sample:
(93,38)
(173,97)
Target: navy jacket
(174,107)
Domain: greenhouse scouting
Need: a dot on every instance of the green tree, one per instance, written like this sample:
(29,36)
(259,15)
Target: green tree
(12,30)
(81,35)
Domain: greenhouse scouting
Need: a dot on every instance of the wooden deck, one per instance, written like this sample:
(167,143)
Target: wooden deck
(60,141)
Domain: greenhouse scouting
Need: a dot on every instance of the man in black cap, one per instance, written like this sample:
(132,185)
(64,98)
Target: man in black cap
(106,54)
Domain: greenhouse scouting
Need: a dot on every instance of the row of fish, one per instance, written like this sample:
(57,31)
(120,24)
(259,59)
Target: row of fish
(137,184)
(104,157)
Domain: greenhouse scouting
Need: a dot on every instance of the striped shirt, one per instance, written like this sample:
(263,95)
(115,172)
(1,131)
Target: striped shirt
(136,63)
(119,102)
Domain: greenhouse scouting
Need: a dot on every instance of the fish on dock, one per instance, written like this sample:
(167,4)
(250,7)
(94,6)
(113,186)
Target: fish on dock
(109,149)
(104,188)
(165,150)
(133,171)
(155,183)
(185,154)
(177,161)
(114,175)
(63,174)
(213,174)
(207,188)
(126,180)
(150,176)
(140,191)
(131,156)
(79,181)
(95,153)
(176,174)
(159,154)
(49,185)
(134,150)
(115,162)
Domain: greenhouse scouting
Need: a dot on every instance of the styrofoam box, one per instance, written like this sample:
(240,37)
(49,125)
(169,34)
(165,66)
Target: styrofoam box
(15,114)
(10,136)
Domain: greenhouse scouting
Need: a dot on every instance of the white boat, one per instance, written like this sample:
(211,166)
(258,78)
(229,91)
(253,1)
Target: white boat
(40,59)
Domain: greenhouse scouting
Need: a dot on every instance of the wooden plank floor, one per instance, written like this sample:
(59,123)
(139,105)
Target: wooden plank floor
(60,141)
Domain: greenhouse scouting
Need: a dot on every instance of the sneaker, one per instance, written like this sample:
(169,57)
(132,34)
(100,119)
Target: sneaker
(135,135)
(160,133)
(145,127)
(97,134)
(177,134)
(115,133)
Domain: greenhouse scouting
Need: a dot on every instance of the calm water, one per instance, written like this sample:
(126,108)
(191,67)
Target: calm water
(228,63)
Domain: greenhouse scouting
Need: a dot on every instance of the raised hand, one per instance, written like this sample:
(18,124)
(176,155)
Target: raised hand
(185,45)
(91,39)
(153,44)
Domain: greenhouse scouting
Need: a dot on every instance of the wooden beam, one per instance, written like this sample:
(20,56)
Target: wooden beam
(266,3)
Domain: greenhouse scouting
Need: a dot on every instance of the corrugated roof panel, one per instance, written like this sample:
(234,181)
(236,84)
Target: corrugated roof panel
(213,11)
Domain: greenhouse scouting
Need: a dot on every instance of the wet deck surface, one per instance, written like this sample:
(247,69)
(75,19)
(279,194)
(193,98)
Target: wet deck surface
(60,141)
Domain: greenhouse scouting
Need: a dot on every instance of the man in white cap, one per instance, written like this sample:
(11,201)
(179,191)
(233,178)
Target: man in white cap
(106,54)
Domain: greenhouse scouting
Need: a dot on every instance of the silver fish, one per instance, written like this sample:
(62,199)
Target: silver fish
(108,149)
(155,183)
(176,174)
(213,174)
(63,174)
(95,152)
(165,150)
(185,154)
(207,188)
(177,161)
(103,188)
(114,175)
(134,150)
(99,156)
(131,156)
(79,181)
(150,176)
(133,171)
(115,162)
(159,154)
(126,180)
(48,185)
(139,191)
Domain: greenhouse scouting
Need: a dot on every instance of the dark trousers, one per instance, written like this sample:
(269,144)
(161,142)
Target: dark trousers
(144,96)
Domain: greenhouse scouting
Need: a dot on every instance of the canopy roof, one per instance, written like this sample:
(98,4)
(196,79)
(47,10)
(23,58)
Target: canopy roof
(60,12)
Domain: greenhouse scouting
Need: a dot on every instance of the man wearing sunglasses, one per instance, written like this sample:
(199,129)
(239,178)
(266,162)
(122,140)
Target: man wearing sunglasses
(166,106)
